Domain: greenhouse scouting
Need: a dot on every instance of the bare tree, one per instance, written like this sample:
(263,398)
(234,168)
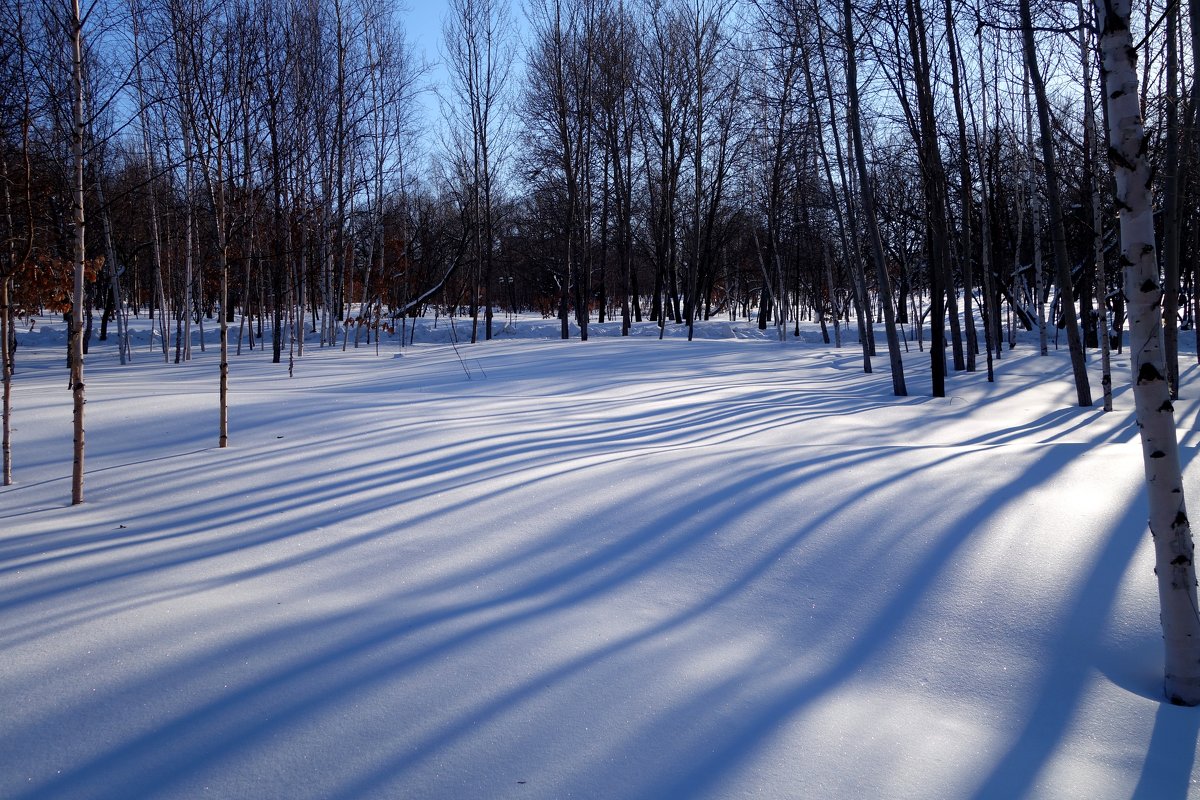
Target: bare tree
(16,109)
(1169,526)
(842,187)
(1172,186)
(933,181)
(479,55)
(710,81)
(781,113)
(617,106)
(663,132)
(1091,167)
(558,103)
(868,200)
(957,78)
(1058,236)
(75,21)
(392,76)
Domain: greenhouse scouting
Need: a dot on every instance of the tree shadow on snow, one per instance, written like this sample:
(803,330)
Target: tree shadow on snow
(313,666)
(1071,662)
(1171,755)
(728,745)
(354,652)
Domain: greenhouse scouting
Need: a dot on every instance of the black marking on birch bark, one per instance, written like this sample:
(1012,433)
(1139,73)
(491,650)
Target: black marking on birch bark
(1113,22)
(1118,159)
(1180,561)
(1148,374)
(1166,406)
(1149,285)
(1180,519)
(1158,454)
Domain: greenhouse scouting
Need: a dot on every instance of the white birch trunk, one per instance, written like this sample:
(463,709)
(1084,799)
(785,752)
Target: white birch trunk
(835,310)
(1092,135)
(151,174)
(6,322)
(187,248)
(1169,525)
(6,371)
(223,421)
(1035,207)
(79,124)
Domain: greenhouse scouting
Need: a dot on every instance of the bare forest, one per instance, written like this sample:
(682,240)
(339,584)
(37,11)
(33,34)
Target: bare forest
(937,170)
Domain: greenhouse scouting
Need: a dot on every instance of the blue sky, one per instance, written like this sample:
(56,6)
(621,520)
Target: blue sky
(423,22)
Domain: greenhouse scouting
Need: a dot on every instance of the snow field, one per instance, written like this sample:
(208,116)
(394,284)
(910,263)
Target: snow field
(617,569)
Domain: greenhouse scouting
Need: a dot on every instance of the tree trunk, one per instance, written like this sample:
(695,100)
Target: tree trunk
(1090,166)
(851,254)
(6,370)
(114,278)
(1035,229)
(1058,237)
(860,158)
(941,283)
(77,133)
(1171,191)
(965,183)
(1169,526)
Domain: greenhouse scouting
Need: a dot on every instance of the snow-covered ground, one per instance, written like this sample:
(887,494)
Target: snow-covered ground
(617,569)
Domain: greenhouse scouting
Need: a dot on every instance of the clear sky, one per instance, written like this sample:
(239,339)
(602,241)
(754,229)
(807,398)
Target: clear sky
(423,21)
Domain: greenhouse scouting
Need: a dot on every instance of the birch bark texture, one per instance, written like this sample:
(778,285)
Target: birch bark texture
(77,132)
(1169,526)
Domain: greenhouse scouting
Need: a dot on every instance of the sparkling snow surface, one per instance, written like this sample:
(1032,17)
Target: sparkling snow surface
(623,568)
